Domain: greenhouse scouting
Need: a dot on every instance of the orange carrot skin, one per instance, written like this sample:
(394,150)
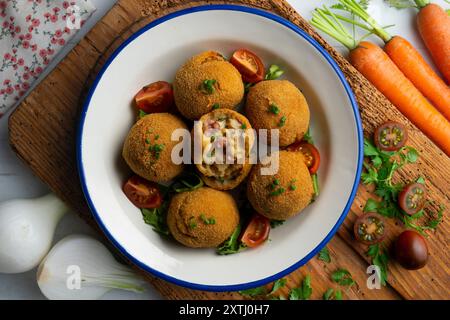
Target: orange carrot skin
(378,68)
(434,28)
(419,72)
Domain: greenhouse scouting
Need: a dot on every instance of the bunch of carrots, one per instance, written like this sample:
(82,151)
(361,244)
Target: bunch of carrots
(400,72)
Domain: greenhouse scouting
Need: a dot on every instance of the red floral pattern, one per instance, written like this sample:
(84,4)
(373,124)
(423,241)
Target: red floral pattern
(31,33)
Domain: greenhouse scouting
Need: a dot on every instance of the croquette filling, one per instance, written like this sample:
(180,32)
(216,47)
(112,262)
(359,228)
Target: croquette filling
(223,148)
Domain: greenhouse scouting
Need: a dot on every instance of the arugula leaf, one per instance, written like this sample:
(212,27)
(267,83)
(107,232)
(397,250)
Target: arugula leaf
(380,258)
(324,255)
(280,283)
(157,218)
(342,277)
(232,244)
(303,292)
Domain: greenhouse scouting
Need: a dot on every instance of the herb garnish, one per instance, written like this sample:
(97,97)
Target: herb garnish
(273,108)
(292,186)
(188,181)
(280,283)
(380,258)
(157,218)
(276,223)
(324,255)
(207,221)
(273,73)
(156,149)
(342,277)
(208,86)
(244,126)
(215,106)
(282,121)
(192,223)
(232,244)
(303,292)
(142,114)
(277,192)
(330,294)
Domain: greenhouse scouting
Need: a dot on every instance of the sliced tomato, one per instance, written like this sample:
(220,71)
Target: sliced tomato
(412,198)
(390,136)
(310,153)
(249,65)
(142,193)
(256,232)
(155,98)
(369,228)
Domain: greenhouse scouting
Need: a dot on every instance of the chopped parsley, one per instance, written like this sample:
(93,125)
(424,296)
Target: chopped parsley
(276,223)
(324,255)
(192,223)
(156,150)
(282,121)
(254,292)
(277,192)
(244,126)
(273,108)
(280,283)
(303,292)
(142,114)
(380,258)
(342,277)
(207,86)
(215,106)
(330,294)
(274,72)
(207,221)
(292,186)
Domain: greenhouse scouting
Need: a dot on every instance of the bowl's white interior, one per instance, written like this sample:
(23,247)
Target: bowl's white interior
(155,55)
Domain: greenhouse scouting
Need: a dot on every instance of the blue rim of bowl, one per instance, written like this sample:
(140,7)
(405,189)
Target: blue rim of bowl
(234,287)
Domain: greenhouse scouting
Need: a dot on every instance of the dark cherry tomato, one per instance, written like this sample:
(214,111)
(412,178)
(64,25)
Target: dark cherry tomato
(369,228)
(412,198)
(411,250)
(155,98)
(142,193)
(249,65)
(257,231)
(311,154)
(390,136)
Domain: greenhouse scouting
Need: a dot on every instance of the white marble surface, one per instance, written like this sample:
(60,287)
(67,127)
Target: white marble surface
(17,181)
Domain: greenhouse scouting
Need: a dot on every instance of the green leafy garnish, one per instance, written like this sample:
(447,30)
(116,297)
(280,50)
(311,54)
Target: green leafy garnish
(215,106)
(207,221)
(380,258)
(273,108)
(157,219)
(303,292)
(188,181)
(156,150)
(307,137)
(273,73)
(232,244)
(342,277)
(244,126)
(247,86)
(277,192)
(324,255)
(280,283)
(142,114)
(276,223)
(208,86)
(330,294)
(282,121)
(254,292)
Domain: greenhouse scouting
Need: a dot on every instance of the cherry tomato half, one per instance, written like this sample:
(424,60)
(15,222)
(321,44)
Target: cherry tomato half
(369,228)
(390,136)
(411,250)
(142,193)
(155,97)
(256,232)
(249,65)
(311,154)
(412,198)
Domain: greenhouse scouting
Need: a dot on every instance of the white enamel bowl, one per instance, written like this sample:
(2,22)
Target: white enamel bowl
(154,53)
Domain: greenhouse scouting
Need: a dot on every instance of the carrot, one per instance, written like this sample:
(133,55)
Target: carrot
(434,28)
(407,59)
(378,68)
(416,69)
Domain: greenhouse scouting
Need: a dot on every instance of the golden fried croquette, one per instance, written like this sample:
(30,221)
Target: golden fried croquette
(205,82)
(148,147)
(278,104)
(218,132)
(203,218)
(285,194)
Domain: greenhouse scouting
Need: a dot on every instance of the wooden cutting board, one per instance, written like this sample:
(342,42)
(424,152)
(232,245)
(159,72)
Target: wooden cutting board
(42,132)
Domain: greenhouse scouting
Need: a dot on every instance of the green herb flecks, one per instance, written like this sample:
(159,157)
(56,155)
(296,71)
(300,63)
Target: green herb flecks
(273,108)
(379,258)
(215,106)
(292,185)
(192,223)
(303,292)
(207,221)
(282,121)
(324,255)
(342,277)
(307,137)
(315,182)
(276,223)
(280,283)
(142,114)
(156,150)
(243,126)
(207,86)
(277,192)
(273,73)
(232,244)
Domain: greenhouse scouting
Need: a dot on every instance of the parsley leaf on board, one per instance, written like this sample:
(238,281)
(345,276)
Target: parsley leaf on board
(254,292)
(380,258)
(280,283)
(342,277)
(324,255)
(330,294)
(303,292)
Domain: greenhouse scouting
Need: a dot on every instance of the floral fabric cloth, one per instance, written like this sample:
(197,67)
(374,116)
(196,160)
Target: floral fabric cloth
(32,32)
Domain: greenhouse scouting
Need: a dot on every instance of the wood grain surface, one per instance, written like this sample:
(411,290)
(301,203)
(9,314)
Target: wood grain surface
(43,128)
